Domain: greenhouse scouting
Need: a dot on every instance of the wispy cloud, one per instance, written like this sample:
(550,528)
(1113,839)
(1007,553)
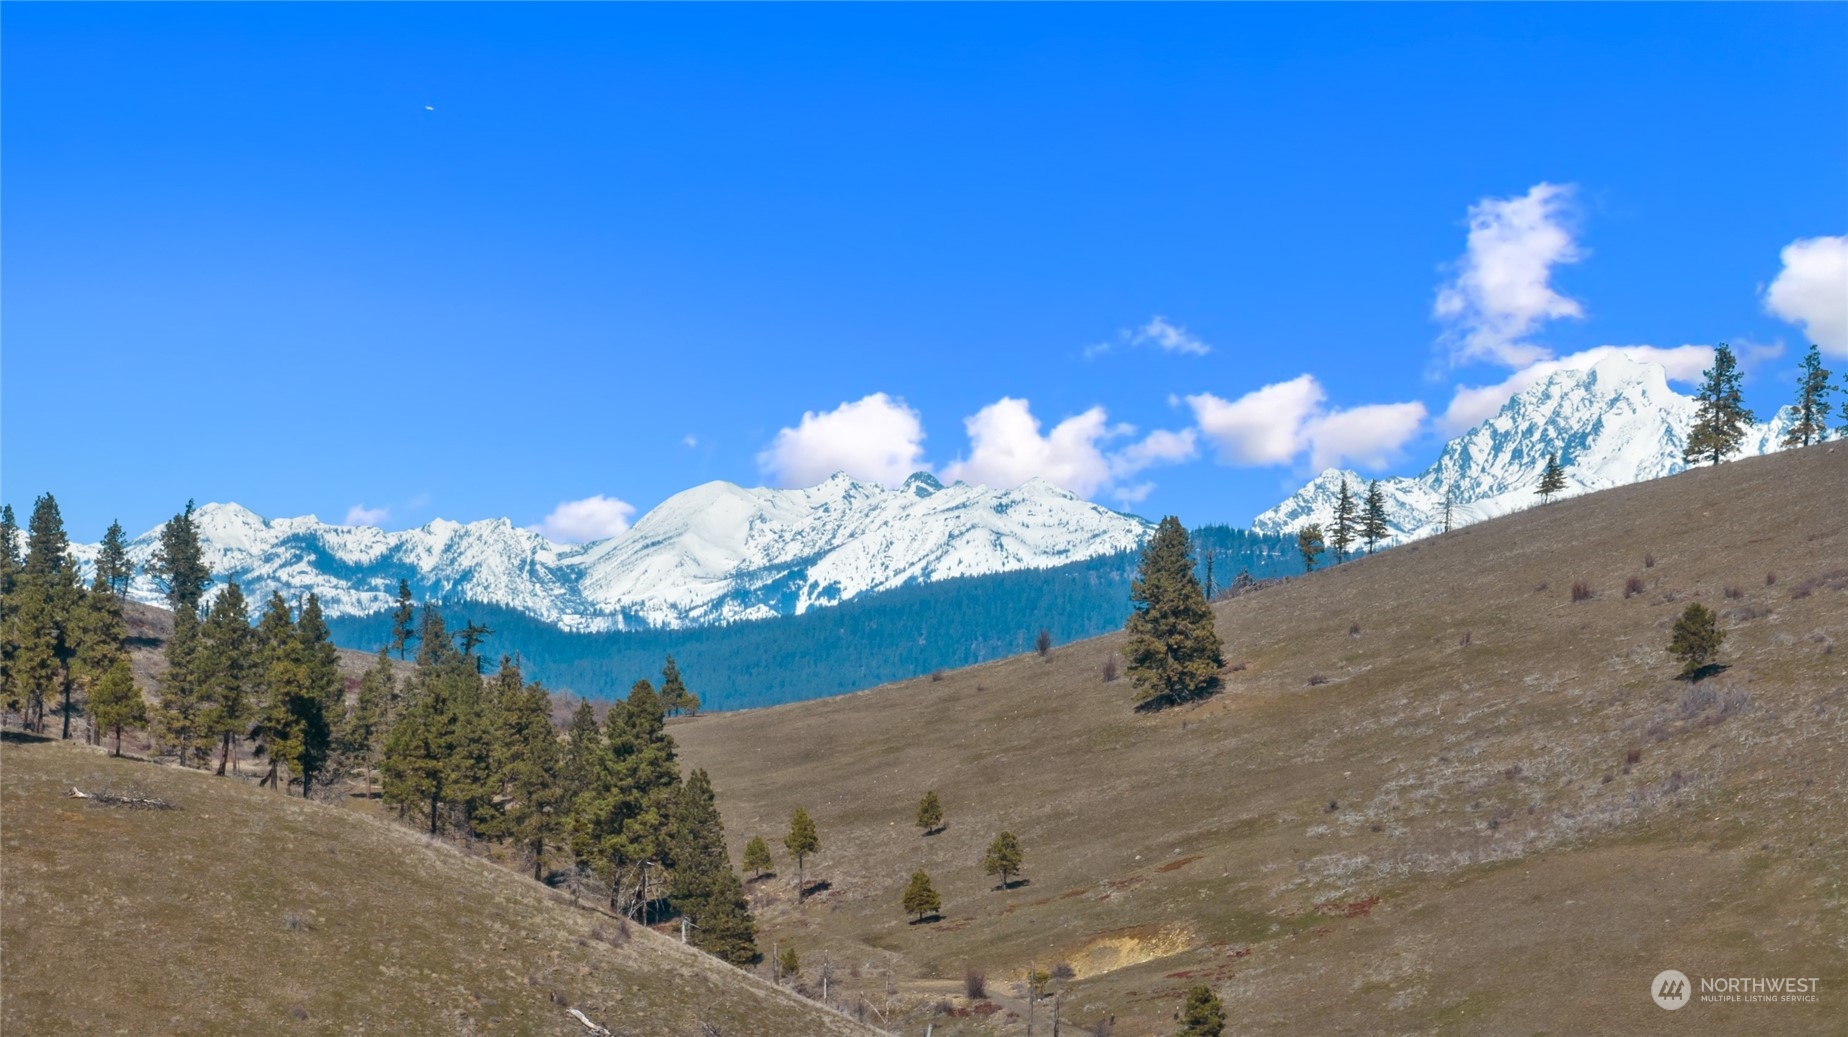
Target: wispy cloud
(1007,448)
(360,515)
(876,438)
(1503,291)
(579,521)
(1812,291)
(1159,333)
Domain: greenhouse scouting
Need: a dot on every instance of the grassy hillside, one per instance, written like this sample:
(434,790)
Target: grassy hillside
(1436,795)
(244,911)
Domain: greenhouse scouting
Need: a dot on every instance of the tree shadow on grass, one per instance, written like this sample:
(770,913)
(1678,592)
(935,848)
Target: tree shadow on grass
(813,888)
(765,877)
(1015,883)
(23,737)
(1701,673)
(927,919)
(1161,702)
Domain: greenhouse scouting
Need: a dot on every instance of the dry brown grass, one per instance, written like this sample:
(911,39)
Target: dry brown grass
(244,911)
(1469,739)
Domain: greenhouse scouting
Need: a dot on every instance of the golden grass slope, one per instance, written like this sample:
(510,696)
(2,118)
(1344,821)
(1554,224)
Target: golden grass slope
(1437,795)
(248,912)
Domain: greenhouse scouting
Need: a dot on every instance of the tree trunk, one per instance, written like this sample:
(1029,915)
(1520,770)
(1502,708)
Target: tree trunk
(224,754)
(432,815)
(118,745)
(538,857)
(67,708)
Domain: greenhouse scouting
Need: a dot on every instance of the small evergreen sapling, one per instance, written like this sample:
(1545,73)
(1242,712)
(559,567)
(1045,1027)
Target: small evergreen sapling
(930,813)
(920,899)
(757,857)
(1003,858)
(1309,542)
(1696,639)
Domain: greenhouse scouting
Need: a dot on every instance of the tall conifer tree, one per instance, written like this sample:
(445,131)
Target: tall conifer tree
(706,889)
(1552,478)
(1173,652)
(1373,528)
(115,702)
(1812,404)
(402,618)
(1721,418)
(227,672)
(113,563)
(1342,532)
(178,564)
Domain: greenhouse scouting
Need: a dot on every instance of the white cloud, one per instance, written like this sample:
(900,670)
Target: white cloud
(580,521)
(1007,448)
(1169,338)
(360,515)
(1812,290)
(1136,494)
(1471,405)
(876,438)
(1278,423)
(1502,291)
(689,440)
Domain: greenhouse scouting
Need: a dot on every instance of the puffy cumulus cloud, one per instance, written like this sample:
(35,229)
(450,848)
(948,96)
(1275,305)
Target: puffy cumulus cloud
(1169,338)
(1503,289)
(1473,404)
(360,515)
(581,521)
(1812,291)
(1279,423)
(877,438)
(1007,447)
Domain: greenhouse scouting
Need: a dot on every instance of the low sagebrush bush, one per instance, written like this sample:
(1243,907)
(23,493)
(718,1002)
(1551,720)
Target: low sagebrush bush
(1649,561)
(1633,585)
(1581,591)
(1732,592)
(975,984)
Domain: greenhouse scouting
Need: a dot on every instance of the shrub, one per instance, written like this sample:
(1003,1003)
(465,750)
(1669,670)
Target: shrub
(1316,680)
(936,676)
(1112,668)
(1064,972)
(1696,639)
(1633,585)
(1732,592)
(1770,579)
(1043,643)
(1649,561)
(1581,591)
(1632,757)
(295,921)
(1464,642)
(975,984)
(1540,588)
(1353,629)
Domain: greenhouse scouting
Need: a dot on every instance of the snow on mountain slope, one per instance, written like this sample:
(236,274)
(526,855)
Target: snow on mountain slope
(714,553)
(1612,424)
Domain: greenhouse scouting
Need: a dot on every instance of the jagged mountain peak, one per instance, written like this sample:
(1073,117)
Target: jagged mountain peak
(712,553)
(1611,424)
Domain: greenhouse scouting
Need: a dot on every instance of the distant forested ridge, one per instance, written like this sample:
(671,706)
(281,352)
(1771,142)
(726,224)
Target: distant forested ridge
(860,643)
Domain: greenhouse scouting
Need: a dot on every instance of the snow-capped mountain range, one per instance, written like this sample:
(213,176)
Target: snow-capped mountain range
(1611,424)
(712,554)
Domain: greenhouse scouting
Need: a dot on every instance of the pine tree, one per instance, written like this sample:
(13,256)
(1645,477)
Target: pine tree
(1003,858)
(618,823)
(179,724)
(706,889)
(1721,417)
(1696,639)
(529,763)
(1309,543)
(361,737)
(43,612)
(178,565)
(1203,1015)
(10,564)
(583,755)
(789,964)
(1344,527)
(1450,503)
(471,636)
(1373,520)
(1174,655)
(415,763)
(757,857)
(112,561)
(1812,404)
(674,694)
(115,702)
(920,899)
(401,618)
(1552,478)
(99,640)
(226,671)
(802,841)
(930,812)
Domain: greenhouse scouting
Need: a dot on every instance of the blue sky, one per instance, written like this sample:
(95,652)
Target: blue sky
(402,261)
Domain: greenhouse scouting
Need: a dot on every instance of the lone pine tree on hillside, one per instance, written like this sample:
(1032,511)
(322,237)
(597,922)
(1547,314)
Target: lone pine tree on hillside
(1721,417)
(1309,542)
(112,561)
(801,841)
(1552,478)
(674,694)
(1003,858)
(1696,639)
(788,964)
(930,813)
(1373,520)
(757,857)
(1174,655)
(1203,1015)
(920,899)
(1342,533)
(1812,404)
